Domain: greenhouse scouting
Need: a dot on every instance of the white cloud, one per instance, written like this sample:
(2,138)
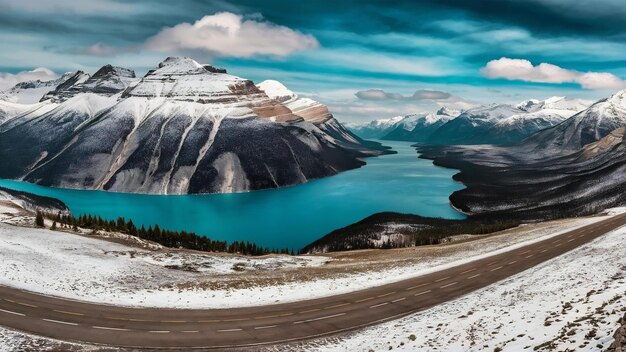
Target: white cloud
(8,80)
(230,35)
(524,70)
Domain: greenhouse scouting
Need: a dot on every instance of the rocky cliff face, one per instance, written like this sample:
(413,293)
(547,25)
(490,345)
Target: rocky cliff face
(183,128)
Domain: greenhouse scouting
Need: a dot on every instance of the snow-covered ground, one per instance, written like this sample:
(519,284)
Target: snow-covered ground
(87,268)
(570,303)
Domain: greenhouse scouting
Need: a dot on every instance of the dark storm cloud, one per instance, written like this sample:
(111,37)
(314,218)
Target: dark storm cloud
(557,17)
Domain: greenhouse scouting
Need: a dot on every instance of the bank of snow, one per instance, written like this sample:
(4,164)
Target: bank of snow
(570,303)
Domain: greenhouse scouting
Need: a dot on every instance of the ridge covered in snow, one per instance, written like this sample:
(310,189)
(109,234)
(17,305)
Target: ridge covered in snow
(30,92)
(182,128)
(584,127)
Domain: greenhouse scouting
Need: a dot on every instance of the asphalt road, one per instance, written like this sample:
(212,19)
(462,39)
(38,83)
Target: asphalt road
(274,324)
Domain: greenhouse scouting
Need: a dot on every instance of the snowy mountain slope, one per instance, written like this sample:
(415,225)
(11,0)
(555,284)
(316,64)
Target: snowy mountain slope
(571,169)
(30,92)
(421,126)
(583,128)
(375,129)
(506,124)
(183,128)
(9,110)
(107,81)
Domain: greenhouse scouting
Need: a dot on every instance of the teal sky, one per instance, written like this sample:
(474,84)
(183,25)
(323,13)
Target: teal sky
(332,50)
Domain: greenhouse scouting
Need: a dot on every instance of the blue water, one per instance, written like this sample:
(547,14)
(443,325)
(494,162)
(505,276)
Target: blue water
(287,217)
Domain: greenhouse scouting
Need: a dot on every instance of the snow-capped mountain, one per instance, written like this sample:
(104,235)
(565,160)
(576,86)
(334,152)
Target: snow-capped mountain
(420,127)
(183,128)
(107,81)
(30,92)
(412,127)
(374,129)
(506,124)
(584,127)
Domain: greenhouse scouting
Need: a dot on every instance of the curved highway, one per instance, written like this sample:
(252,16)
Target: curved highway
(274,324)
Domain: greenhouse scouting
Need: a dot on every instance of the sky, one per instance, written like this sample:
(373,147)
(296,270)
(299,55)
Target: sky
(365,59)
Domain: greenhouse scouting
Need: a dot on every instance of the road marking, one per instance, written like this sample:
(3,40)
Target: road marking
(570,240)
(473,276)
(365,299)
(320,318)
(173,321)
(398,300)
(467,271)
(21,303)
(338,305)
(66,312)
(107,328)
(236,319)
(492,263)
(10,312)
(543,251)
(59,322)
(529,256)
(285,314)
(422,293)
(556,245)
(524,252)
(159,331)
(229,330)
(448,285)
(190,331)
(217,321)
(265,327)
(386,294)
(445,278)
(498,268)
(513,262)
(420,285)
(379,305)
(310,311)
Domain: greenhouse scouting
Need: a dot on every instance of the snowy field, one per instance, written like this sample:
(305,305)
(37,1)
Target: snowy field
(80,267)
(570,303)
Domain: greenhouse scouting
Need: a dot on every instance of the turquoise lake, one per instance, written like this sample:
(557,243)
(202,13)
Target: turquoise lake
(287,217)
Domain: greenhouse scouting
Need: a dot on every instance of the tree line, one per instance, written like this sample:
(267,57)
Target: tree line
(167,238)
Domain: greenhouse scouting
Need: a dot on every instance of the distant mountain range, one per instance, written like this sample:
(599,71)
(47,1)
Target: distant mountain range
(574,168)
(182,128)
(491,124)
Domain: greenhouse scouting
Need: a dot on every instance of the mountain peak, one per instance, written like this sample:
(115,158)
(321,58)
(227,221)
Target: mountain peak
(110,70)
(448,112)
(276,90)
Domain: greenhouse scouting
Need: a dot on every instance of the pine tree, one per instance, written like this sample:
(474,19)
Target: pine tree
(39,219)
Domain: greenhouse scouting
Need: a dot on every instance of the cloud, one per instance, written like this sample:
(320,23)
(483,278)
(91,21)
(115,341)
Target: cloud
(426,94)
(421,94)
(377,94)
(8,80)
(524,70)
(227,34)
(377,103)
(103,50)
